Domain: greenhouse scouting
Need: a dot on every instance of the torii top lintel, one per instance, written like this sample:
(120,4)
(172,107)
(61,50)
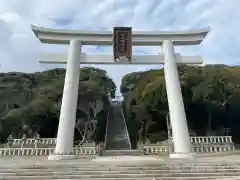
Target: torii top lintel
(139,38)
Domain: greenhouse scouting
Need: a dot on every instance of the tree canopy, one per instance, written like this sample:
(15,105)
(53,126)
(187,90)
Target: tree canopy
(211,97)
(32,101)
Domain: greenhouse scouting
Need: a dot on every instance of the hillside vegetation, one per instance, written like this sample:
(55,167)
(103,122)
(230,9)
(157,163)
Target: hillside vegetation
(31,103)
(211,96)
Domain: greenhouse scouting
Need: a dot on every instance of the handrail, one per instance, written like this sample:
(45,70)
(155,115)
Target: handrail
(125,124)
(106,132)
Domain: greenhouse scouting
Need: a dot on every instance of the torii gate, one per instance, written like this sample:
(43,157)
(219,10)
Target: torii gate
(76,39)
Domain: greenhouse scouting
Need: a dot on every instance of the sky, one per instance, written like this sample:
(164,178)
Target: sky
(19,48)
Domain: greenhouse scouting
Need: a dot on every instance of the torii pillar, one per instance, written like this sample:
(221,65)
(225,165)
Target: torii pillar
(65,135)
(181,140)
(180,133)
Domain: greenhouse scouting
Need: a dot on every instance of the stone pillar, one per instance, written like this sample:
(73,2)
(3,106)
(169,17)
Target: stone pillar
(180,134)
(64,145)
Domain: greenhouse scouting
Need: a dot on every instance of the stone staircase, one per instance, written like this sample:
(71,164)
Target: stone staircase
(87,169)
(117,133)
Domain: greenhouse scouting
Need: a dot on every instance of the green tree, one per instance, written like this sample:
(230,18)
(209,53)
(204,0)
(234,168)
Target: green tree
(210,94)
(40,111)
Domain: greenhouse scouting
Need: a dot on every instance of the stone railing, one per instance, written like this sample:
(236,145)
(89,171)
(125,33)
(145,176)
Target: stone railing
(212,144)
(200,144)
(207,139)
(211,139)
(106,132)
(155,149)
(194,140)
(46,141)
(45,151)
(212,148)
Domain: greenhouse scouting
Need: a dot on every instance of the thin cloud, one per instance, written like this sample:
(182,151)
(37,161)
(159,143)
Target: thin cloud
(18,44)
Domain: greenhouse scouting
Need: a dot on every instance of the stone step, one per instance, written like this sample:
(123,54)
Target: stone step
(136,178)
(72,176)
(147,177)
(116,170)
(146,167)
(130,169)
(114,161)
(77,171)
(122,153)
(184,167)
(66,172)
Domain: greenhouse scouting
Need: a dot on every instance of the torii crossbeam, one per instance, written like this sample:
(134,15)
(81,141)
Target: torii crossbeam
(76,39)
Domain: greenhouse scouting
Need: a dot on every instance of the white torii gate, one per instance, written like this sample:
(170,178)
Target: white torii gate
(76,39)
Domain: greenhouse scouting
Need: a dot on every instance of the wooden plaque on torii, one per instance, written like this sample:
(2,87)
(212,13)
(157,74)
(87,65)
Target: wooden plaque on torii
(122,43)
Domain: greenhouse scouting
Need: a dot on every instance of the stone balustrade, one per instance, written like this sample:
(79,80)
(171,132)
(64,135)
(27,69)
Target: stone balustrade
(44,151)
(194,140)
(155,150)
(200,144)
(211,139)
(43,141)
(206,140)
(46,141)
(212,144)
(203,148)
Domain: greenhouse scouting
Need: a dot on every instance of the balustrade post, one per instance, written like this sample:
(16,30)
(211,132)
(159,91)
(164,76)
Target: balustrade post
(206,140)
(10,141)
(222,139)
(211,139)
(101,149)
(23,140)
(228,139)
(37,141)
(214,140)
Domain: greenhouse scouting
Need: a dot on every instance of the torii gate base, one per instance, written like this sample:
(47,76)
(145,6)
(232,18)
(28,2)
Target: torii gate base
(64,146)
